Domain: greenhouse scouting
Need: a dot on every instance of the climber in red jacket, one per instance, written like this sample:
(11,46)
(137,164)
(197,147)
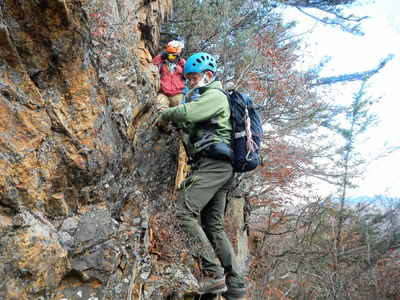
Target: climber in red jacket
(172,82)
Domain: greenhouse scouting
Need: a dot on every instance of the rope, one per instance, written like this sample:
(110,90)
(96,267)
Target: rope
(251,146)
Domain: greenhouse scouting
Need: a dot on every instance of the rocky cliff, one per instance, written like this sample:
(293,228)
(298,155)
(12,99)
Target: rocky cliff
(83,172)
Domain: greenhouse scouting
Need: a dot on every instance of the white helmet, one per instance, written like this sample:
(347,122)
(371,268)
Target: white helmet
(174,47)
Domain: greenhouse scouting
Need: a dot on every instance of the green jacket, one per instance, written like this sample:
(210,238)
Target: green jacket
(206,120)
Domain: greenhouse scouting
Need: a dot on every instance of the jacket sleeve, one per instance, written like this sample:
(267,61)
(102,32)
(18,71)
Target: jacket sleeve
(157,60)
(208,105)
(182,62)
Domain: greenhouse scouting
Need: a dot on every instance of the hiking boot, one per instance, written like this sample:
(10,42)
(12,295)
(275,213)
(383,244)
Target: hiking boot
(235,293)
(210,285)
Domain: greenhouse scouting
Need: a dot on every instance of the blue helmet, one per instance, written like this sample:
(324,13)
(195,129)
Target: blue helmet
(200,62)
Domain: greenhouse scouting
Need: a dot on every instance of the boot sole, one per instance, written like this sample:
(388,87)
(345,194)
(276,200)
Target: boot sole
(239,295)
(233,297)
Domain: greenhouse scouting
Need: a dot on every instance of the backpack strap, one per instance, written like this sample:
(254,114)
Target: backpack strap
(242,104)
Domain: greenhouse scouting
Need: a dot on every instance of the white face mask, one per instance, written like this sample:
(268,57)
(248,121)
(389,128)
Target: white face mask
(203,81)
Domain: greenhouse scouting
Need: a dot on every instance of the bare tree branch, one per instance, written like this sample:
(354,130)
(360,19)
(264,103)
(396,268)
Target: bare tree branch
(358,76)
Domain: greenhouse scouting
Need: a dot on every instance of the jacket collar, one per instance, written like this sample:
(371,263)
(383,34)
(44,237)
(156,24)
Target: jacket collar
(216,84)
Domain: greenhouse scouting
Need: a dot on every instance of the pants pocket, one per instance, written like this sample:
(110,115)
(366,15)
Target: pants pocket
(187,183)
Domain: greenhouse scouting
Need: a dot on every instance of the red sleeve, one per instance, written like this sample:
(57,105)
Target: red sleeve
(157,60)
(182,62)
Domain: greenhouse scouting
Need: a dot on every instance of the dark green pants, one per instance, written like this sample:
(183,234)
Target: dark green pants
(203,198)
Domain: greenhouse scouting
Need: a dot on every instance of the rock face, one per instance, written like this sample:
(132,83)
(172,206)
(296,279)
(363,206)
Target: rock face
(76,92)
(82,168)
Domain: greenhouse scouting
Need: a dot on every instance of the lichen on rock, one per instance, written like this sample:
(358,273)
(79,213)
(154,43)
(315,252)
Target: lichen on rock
(79,156)
(84,173)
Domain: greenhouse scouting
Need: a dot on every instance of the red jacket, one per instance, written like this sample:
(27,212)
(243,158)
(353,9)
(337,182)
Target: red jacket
(171,83)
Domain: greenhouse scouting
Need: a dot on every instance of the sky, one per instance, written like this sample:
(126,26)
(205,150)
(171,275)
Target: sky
(349,54)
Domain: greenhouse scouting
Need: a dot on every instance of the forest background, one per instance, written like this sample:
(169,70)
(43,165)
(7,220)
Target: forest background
(305,243)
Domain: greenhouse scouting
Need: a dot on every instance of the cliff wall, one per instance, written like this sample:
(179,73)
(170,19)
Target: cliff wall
(83,172)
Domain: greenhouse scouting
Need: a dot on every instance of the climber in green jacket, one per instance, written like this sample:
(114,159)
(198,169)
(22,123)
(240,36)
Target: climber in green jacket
(203,194)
